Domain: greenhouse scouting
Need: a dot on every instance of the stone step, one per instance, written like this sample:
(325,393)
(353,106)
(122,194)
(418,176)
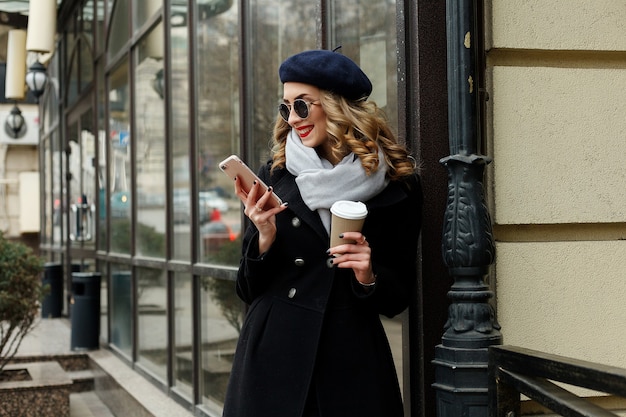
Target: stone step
(82,381)
(75,365)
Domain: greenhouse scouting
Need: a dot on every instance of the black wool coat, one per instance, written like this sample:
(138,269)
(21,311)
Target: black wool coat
(311,329)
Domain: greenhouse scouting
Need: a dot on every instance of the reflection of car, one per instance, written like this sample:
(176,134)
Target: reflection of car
(208,202)
(211,201)
(214,234)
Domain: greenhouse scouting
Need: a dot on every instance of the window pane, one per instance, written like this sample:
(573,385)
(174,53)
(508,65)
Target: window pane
(179,93)
(152,320)
(121,308)
(274,23)
(221,322)
(218,130)
(119,131)
(150,145)
(118,28)
(102,155)
(58,216)
(366,31)
(183,334)
(143,10)
(49,212)
(86,207)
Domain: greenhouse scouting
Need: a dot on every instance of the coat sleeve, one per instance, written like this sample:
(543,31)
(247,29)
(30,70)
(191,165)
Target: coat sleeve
(253,276)
(393,237)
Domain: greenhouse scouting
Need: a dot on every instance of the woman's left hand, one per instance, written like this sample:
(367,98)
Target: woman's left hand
(356,256)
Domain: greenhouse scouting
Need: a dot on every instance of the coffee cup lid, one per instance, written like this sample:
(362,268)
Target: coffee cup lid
(349,209)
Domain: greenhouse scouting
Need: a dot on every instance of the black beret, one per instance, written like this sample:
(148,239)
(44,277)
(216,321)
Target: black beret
(327,70)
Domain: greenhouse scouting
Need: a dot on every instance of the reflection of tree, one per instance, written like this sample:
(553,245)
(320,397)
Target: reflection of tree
(223,290)
(153,242)
(223,293)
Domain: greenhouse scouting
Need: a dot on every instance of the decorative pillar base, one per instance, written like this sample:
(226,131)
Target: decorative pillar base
(462,382)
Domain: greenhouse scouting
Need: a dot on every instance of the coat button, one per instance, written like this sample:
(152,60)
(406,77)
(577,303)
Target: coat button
(292,293)
(295,222)
(299,262)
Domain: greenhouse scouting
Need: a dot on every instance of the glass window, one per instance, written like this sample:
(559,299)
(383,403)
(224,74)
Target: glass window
(218,129)
(121,308)
(152,320)
(118,28)
(102,155)
(120,169)
(58,204)
(283,29)
(99,26)
(183,334)
(48,210)
(150,146)
(181,169)
(144,10)
(84,208)
(221,320)
(366,31)
(86,45)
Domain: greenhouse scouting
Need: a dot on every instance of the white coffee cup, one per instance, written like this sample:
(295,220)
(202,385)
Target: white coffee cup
(346,216)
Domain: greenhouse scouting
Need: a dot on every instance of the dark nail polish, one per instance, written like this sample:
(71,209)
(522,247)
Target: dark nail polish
(269,189)
(328,252)
(341,236)
(254,183)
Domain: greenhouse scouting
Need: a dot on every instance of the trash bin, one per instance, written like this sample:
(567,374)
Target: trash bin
(85,311)
(52,304)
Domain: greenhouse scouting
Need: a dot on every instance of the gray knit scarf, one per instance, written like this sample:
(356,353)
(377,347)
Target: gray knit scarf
(321,184)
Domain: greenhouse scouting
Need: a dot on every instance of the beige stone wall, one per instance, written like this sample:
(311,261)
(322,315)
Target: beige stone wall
(557,187)
(19,193)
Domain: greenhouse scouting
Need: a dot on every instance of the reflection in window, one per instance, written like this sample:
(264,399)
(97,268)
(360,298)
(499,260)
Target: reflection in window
(221,320)
(281,38)
(366,31)
(120,167)
(183,333)
(118,28)
(121,308)
(150,146)
(152,320)
(218,131)
(181,169)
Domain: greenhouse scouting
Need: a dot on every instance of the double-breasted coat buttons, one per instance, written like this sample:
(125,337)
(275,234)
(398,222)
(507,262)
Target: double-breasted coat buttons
(295,222)
(291,293)
(299,262)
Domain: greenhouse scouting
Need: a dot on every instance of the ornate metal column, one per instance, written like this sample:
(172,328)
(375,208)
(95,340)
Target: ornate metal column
(468,248)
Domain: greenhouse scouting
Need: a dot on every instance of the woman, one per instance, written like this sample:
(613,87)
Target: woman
(312,343)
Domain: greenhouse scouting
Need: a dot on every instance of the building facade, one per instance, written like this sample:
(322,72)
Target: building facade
(146,97)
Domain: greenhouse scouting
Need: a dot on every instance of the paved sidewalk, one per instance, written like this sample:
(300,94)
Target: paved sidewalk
(52,337)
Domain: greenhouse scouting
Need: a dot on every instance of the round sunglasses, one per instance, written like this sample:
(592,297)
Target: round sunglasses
(300,106)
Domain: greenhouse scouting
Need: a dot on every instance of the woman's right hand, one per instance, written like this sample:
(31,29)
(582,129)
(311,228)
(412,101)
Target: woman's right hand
(254,207)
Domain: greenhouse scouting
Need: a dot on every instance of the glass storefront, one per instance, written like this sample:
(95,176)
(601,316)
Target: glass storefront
(152,107)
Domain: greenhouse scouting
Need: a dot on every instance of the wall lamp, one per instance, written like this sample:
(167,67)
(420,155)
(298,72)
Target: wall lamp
(37,79)
(15,125)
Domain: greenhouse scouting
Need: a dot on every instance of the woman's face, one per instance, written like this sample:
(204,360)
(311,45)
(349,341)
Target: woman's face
(312,130)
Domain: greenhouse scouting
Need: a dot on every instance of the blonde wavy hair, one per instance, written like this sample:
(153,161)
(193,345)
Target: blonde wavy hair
(353,126)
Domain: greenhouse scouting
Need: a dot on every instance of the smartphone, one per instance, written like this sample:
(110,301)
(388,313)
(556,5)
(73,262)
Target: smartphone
(236,168)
